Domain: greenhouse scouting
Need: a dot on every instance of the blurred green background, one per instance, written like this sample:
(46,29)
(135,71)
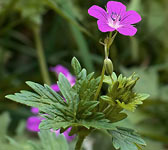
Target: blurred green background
(66,30)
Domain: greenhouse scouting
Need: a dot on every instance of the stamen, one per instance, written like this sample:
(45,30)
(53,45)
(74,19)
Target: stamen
(115,17)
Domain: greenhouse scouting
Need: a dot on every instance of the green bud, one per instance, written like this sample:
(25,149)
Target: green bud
(108,66)
(132,83)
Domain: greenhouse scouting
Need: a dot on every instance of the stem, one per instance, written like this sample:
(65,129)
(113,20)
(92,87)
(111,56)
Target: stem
(110,35)
(106,51)
(41,57)
(101,83)
(112,39)
(103,70)
(79,142)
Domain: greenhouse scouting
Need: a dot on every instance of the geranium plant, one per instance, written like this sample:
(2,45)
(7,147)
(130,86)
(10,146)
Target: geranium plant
(81,106)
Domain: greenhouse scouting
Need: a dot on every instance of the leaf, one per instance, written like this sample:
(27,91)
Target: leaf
(49,141)
(65,88)
(45,97)
(108,100)
(54,124)
(149,78)
(115,117)
(121,92)
(126,139)
(76,66)
(5,120)
(137,100)
(77,109)
(82,75)
(98,124)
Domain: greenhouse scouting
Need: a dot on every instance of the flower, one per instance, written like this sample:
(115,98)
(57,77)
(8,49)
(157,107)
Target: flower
(33,122)
(115,18)
(60,69)
(34,110)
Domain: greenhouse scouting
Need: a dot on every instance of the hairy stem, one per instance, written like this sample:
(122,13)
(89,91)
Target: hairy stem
(41,56)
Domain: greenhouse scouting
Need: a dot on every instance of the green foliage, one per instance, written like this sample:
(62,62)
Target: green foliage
(49,141)
(149,77)
(76,66)
(148,48)
(121,93)
(4,4)
(31,10)
(126,139)
(75,106)
(68,7)
(68,10)
(153,145)
(79,108)
(6,142)
(5,120)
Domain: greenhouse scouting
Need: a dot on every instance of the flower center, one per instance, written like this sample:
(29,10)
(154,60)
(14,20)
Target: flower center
(115,17)
(114,20)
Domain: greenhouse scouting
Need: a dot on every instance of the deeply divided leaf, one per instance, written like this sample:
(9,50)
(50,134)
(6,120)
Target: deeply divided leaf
(126,139)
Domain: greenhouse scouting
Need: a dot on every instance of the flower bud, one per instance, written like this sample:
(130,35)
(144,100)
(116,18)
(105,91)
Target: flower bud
(108,66)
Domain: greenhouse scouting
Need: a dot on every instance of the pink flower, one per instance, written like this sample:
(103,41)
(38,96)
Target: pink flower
(33,122)
(60,69)
(115,18)
(66,134)
(34,110)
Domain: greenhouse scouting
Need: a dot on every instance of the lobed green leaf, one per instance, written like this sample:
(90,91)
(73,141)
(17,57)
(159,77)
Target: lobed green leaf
(126,139)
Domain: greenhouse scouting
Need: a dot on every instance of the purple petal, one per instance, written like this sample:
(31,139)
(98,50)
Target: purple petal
(57,132)
(60,69)
(131,17)
(104,27)
(71,79)
(66,134)
(34,110)
(33,124)
(72,82)
(97,12)
(116,7)
(55,87)
(127,30)
(69,138)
